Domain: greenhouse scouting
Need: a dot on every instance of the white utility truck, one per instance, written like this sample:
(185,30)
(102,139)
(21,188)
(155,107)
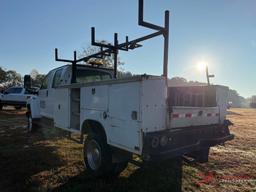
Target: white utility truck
(138,115)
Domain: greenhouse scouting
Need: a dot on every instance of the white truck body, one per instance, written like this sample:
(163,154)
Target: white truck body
(138,115)
(127,109)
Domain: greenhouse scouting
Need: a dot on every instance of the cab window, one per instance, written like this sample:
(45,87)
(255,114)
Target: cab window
(57,78)
(45,83)
(85,76)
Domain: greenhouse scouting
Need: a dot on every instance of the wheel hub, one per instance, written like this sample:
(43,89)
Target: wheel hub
(93,154)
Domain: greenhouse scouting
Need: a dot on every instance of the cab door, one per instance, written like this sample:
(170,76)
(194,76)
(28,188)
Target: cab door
(46,108)
(47,94)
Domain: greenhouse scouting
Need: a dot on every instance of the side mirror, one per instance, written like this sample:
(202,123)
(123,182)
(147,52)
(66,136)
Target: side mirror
(27,82)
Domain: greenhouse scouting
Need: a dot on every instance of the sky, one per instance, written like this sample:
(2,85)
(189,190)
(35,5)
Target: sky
(221,33)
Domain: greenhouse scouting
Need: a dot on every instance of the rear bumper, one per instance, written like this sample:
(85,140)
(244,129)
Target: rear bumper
(184,141)
(215,141)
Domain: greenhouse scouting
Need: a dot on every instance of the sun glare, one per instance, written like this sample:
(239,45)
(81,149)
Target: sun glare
(201,66)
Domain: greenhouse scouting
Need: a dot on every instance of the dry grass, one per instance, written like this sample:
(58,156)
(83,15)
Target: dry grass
(46,160)
(236,160)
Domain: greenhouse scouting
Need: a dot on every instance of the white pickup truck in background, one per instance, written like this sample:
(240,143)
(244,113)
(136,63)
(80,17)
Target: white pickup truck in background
(15,96)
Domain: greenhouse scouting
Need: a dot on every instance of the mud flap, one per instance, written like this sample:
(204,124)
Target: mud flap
(201,155)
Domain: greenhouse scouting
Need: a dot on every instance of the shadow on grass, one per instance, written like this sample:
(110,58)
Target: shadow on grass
(24,155)
(21,154)
(156,177)
(233,113)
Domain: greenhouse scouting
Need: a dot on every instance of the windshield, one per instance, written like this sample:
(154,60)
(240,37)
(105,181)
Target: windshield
(14,90)
(85,76)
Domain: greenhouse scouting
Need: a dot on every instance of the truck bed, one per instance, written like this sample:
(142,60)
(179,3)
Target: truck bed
(197,105)
(186,106)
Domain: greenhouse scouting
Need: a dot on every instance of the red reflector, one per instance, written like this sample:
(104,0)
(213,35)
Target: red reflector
(209,114)
(175,115)
(188,115)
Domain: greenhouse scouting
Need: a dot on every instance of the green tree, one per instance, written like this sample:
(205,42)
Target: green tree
(36,78)
(2,75)
(106,61)
(177,81)
(12,79)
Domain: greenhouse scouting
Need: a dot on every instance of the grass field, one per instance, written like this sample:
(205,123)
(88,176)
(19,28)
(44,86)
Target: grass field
(48,161)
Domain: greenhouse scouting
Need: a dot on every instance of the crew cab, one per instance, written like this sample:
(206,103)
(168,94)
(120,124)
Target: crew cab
(15,96)
(138,115)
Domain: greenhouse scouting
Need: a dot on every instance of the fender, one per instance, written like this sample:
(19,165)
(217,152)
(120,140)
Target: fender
(33,107)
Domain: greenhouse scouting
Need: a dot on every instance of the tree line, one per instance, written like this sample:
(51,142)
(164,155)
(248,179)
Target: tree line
(10,78)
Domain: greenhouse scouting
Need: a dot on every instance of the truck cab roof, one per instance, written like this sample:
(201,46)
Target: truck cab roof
(85,66)
(85,73)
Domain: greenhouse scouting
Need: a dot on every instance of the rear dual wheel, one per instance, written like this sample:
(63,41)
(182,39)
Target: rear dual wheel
(201,155)
(98,157)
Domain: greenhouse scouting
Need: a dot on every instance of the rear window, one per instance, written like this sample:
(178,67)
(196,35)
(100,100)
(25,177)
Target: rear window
(14,90)
(85,76)
(57,78)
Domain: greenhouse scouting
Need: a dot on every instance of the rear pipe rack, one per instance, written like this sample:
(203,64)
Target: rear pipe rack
(108,49)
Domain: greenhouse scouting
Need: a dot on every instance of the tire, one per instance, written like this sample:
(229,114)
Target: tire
(97,155)
(18,107)
(30,124)
(117,168)
(201,156)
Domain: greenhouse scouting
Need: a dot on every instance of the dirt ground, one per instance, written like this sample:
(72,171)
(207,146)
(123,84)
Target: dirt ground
(48,161)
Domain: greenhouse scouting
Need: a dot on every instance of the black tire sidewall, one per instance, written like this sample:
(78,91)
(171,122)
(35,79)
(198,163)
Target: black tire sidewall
(117,168)
(106,156)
